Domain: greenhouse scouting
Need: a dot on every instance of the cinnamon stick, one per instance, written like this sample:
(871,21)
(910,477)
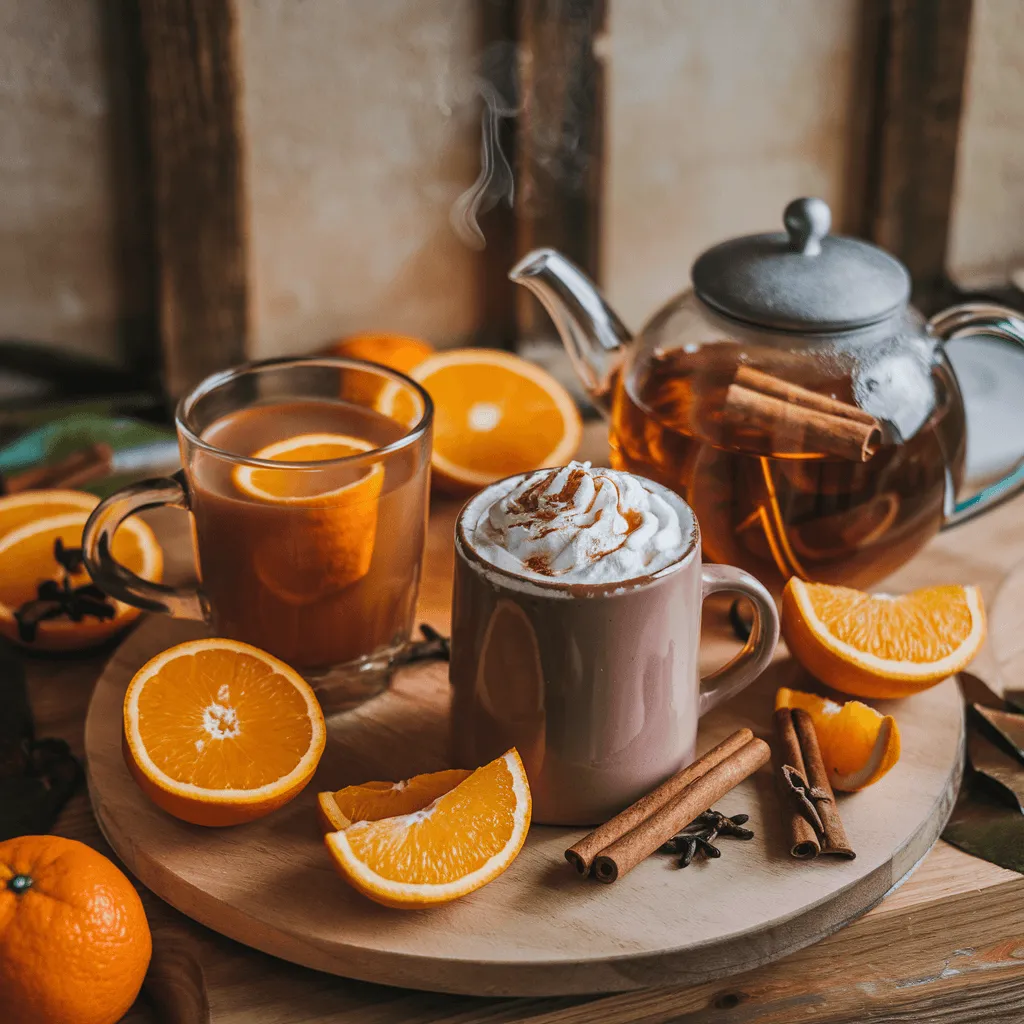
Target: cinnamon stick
(769,384)
(834,834)
(624,854)
(803,836)
(581,855)
(811,430)
(73,470)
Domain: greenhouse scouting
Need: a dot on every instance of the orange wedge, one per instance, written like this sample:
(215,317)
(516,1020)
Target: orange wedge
(27,559)
(397,351)
(858,744)
(333,545)
(495,415)
(461,841)
(878,646)
(372,801)
(217,732)
(18,509)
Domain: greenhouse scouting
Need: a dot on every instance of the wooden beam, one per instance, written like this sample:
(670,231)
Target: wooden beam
(559,137)
(922,61)
(195,134)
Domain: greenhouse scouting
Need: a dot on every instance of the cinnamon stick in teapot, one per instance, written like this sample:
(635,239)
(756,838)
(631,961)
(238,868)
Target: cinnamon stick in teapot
(800,418)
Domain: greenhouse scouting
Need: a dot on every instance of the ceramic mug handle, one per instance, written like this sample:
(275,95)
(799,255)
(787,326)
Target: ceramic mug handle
(121,583)
(757,653)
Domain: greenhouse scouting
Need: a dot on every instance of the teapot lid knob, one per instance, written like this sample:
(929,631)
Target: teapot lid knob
(807,222)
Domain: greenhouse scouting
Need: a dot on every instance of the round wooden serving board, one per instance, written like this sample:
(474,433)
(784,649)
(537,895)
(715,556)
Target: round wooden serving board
(538,929)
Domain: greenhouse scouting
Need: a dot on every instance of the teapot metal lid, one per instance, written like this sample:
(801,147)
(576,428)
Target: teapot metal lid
(803,280)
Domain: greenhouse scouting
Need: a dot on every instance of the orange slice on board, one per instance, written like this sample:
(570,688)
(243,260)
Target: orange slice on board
(218,732)
(858,744)
(397,351)
(495,415)
(461,841)
(27,559)
(372,801)
(18,509)
(327,515)
(878,646)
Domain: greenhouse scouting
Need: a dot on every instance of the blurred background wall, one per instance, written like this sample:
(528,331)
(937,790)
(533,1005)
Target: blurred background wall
(362,124)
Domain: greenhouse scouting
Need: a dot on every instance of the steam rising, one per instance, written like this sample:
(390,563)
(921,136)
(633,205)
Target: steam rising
(494,181)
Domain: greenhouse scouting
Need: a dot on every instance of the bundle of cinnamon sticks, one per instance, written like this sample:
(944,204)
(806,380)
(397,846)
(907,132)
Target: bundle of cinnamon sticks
(616,847)
(78,468)
(799,418)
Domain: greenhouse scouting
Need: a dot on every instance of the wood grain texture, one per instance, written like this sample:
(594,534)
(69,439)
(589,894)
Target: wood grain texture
(923,54)
(197,160)
(538,930)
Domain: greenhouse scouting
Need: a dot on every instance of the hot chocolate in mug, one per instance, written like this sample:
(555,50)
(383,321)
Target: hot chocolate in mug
(576,636)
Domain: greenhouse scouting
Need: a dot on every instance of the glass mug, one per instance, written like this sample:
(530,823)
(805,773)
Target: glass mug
(317,562)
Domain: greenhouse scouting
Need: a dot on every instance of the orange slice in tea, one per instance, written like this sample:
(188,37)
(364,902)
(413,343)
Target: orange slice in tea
(461,841)
(372,801)
(27,559)
(495,415)
(327,516)
(877,646)
(217,732)
(858,744)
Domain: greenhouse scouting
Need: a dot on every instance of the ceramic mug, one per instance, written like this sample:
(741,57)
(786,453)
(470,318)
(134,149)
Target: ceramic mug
(596,685)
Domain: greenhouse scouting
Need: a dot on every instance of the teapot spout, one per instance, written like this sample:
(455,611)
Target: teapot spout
(593,335)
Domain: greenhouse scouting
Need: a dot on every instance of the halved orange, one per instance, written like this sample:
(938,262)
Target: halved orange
(372,801)
(461,841)
(333,545)
(218,732)
(18,509)
(27,559)
(495,415)
(398,351)
(858,744)
(878,646)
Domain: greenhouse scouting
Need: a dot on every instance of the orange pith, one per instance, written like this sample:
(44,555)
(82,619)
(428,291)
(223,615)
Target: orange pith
(397,351)
(27,558)
(880,646)
(74,941)
(372,801)
(18,509)
(858,744)
(495,415)
(461,841)
(218,732)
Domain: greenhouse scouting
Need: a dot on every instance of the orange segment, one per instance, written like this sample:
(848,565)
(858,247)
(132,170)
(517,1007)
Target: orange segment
(372,801)
(338,502)
(218,732)
(27,559)
(18,509)
(880,646)
(463,840)
(397,351)
(858,744)
(495,415)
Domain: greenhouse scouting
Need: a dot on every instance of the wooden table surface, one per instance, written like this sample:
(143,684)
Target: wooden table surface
(946,946)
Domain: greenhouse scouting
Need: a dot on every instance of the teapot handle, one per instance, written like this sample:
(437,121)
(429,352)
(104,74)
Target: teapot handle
(964,321)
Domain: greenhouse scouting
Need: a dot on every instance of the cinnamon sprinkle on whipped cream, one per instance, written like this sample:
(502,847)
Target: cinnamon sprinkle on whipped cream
(578,524)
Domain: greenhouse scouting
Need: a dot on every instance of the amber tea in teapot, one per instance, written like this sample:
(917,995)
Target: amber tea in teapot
(793,396)
(785,494)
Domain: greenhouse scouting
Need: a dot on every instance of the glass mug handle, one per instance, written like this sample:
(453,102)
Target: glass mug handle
(757,653)
(121,583)
(971,319)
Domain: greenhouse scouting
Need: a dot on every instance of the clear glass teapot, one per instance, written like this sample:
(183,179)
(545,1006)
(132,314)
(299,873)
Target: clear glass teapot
(792,396)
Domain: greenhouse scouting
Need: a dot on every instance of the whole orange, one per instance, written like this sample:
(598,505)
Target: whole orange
(397,351)
(74,940)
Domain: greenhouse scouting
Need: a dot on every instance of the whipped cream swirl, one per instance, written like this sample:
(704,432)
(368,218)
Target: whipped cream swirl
(582,525)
